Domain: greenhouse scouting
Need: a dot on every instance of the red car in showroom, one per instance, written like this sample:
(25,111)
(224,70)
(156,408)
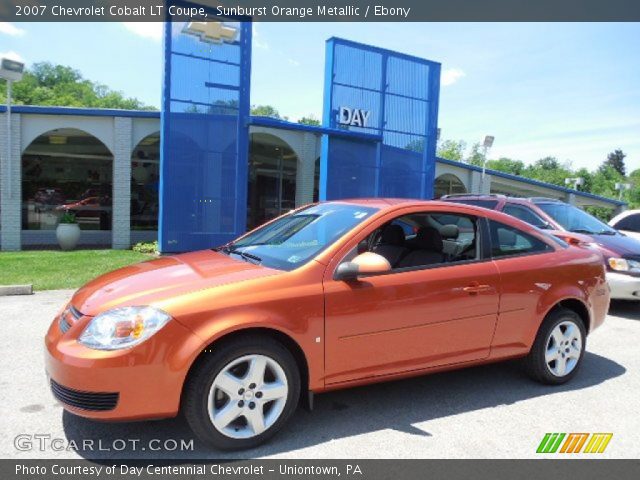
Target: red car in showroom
(329,296)
(621,252)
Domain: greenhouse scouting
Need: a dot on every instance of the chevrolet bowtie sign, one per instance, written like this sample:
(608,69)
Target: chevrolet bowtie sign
(211,32)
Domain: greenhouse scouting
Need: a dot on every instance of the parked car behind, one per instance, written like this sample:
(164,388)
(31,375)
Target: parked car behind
(628,223)
(621,252)
(329,296)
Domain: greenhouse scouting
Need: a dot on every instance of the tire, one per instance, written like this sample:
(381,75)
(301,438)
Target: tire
(226,383)
(562,332)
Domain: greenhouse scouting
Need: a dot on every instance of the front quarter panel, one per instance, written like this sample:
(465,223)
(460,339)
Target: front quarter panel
(291,303)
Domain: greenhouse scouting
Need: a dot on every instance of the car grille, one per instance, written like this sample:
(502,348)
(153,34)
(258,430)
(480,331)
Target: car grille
(68,318)
(94,401)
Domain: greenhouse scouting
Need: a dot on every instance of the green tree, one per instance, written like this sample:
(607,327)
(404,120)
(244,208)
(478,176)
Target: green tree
(504,164)
(476,155)
(266,111)
(58,85)
(309,120)
(549,170)
(616,160)
(452,150)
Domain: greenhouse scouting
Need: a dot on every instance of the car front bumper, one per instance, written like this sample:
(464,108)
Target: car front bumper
(623,286)
(137,383)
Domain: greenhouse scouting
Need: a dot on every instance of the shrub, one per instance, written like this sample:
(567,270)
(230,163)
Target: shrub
(146,247)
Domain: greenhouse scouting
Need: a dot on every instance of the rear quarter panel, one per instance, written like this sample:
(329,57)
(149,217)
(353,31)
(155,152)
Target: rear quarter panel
(532,285)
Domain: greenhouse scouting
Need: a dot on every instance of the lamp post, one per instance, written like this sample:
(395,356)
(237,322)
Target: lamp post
(621,187)
(575,182)
(486,145)
(11,71)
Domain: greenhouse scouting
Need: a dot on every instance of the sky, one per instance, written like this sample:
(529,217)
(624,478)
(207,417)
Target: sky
(569,90)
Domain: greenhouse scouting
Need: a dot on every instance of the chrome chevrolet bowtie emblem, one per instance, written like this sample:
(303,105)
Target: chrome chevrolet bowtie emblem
(211,32)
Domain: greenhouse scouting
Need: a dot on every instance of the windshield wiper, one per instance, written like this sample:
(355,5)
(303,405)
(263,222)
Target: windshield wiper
(231,249)
(583,230)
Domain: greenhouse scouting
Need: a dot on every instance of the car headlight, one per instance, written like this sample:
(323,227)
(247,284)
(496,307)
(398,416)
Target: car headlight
(624,265)
(123,327)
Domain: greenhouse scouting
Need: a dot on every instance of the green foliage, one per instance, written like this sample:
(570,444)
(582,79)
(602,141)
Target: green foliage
(616,160)
(451,150)
(476,156)
(507,165)
(68,217)
(309,120)
(58,85)
(266,111)
(146,247)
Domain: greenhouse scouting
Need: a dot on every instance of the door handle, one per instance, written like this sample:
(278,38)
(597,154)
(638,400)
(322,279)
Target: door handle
(476,288)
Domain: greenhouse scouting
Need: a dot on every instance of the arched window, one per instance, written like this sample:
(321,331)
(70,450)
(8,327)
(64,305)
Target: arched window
(145,179)
(67,170)
(447,184)
(272,178)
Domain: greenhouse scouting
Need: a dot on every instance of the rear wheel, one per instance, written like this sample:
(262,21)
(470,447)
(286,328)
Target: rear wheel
(558,349)
(242,393)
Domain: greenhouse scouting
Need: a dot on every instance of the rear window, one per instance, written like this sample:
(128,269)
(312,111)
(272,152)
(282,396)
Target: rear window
(490,204)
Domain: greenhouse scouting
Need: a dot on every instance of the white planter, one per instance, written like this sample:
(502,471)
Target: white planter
(68,235)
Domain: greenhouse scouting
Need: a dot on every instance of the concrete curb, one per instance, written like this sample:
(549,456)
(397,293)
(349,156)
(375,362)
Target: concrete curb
(16,290)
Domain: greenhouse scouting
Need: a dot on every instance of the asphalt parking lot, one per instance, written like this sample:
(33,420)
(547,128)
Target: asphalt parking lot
(491,411)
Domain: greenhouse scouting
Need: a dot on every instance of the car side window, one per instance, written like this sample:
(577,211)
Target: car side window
(507,241)
(526,215)
(630,222)
(424,240)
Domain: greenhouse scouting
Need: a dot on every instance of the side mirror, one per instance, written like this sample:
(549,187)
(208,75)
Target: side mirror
(367,263)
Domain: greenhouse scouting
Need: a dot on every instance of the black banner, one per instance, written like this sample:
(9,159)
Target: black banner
(324,10)
(322,469)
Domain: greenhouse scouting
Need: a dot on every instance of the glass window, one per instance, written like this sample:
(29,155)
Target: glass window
(526,215)
(506,240)
(66,170)
(575,220)
(273,166)
(630,223)
(145,179)
(448,184)
(424,240)
(292,240)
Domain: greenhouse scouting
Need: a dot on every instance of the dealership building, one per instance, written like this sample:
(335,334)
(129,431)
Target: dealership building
(203,170)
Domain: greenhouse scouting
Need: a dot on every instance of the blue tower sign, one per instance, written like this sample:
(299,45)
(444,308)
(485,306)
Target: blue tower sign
(204,141)
(388,95)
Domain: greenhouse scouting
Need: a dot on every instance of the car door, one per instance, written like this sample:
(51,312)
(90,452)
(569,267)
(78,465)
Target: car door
(410,318)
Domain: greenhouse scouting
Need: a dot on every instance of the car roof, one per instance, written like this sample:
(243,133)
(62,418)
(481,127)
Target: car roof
(390,204)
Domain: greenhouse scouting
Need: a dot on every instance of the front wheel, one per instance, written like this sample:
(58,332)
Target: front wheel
(558,348)
(242,393)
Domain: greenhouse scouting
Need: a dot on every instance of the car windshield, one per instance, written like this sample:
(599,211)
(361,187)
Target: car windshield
(576,220)
(292,240)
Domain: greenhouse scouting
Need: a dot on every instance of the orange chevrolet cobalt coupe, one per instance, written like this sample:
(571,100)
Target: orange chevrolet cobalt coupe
(328,296)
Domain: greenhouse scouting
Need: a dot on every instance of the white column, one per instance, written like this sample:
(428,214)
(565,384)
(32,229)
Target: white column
(121,216)
(571,198)
(477,186)
(306,170)
(10,185)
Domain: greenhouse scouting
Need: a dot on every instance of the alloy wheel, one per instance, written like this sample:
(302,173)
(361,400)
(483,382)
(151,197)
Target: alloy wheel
(564,347)
(248,396)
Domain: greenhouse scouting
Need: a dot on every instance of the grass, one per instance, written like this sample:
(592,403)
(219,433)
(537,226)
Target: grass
(53,269)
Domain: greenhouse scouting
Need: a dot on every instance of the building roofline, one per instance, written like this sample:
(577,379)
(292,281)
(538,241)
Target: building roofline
(90,112)
(317,129)
(530,181)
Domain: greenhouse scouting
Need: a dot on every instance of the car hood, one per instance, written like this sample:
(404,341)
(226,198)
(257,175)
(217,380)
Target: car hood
(155,280)
(619,244)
